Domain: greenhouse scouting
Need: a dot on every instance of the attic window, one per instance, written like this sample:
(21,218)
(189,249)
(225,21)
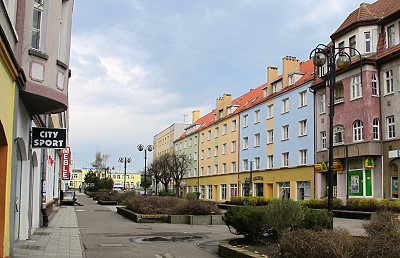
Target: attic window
(254,100)
(246,104)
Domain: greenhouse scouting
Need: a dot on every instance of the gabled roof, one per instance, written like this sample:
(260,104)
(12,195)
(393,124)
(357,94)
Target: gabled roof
(368,14)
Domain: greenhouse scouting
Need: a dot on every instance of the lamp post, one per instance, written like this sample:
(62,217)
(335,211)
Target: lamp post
(251,179)
(125,160)
(149,148)
(341,60)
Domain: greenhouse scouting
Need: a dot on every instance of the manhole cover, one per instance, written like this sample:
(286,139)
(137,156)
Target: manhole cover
(166,239)
(111,245)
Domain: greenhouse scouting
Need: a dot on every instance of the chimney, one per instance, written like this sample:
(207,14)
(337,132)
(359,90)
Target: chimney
(195,115)
(222,104)
(272,75)
(290,65)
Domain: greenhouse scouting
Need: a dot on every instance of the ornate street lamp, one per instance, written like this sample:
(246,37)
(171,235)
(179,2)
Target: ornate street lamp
(340,60)
(149,148)
(125,160)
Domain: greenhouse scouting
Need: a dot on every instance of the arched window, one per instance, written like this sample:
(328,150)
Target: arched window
(375,129)
(358,134)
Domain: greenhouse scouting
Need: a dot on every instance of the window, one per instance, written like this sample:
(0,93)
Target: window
(257,140)
(233,125)
(285,159)
(195,156)
(215,169)
(323,140)
(190,142)
(233,190)
(224,149)
(257,163)
(224,129)
(322,101)
(245,165)
(256,116)
(208,152)
(339,93)
(216,132)
(390,127)
(303,191)
(358,134)
(202,171)
(270,161)
(233,166)
(390,36)
(303,128)
(202,191)
(375,129)
(284,190)
(209,192)
(202,154)
(223,192)
(195,140)
(270,111)
(389,82)
(209,135)
(220,113)
(208,170)
(303,157)
(202,137)
(338,135)
(233,146)
(352,44)
(245,121)
(223,168)
(270,136)
(285,132)
(375,85)
(367,37)
(303,99)
(195,172)
(356,90)
(215,151)
(341,46)
(245,143)
(37,24)
(285,105)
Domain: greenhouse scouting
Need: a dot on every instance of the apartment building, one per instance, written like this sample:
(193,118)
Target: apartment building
(36,46)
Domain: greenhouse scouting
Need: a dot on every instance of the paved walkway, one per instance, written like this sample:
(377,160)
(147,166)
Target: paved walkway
(60,239)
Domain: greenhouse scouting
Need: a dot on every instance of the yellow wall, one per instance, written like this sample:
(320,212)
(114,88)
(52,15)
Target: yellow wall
(271,179)
(8,73)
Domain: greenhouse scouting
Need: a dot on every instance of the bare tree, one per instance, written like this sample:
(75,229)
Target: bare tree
(163,166)
(178,165)
(100,161)
(154,170)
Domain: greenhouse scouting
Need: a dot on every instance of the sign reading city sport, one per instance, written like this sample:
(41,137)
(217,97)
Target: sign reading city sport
(50,138)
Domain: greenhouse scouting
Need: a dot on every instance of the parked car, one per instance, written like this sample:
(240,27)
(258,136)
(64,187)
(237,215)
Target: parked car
(69,198)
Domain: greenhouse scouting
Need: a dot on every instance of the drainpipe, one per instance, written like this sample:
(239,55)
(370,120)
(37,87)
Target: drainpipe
(45,218)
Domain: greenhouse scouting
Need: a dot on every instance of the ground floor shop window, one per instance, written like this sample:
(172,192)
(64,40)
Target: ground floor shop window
(259,189)
(284,190)
(202,191)
(223,192)
(233,190)
(209,192)
(303,191)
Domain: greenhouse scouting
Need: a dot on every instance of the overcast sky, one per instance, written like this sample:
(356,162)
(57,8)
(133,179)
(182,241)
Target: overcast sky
(140,66)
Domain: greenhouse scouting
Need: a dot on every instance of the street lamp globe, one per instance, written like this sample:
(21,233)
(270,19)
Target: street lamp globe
(319,59)
(343,61)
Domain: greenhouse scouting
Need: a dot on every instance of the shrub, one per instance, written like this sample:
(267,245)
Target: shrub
(91,188)
(322,203)
(389,205)
(362,204)
(283,214)
(153,204)
(192,196)
(248,221)
(307,243)
(316,219)
(236,200)
(196,207)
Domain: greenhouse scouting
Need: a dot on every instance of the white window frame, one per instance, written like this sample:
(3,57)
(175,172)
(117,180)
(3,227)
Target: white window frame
(215,169)
(285,132)
(270,136)
(375,85)
(391,132)
(285,105)
(338,131)
(208,153)
(358,131)
(303,157)
(302,99)
(209,192)
(208,170)
(245,120)
(390,38)
(223,168)
(233,166)
(224,129)
(303,127)
(389,82)
(322,102)
(215,151)
(37,7)
(209,135)
(223,193)
(285,159)
(256,163)
(233,190)
(305,187)
(233,146)
(245,143)
(202,154)
(216,132)
(256,116)
(257,140)
(223,148)
(367,38)
(270,161)
(324,144)
(245,165)
(356,88)
(375,129)
(233,125)
(270,111)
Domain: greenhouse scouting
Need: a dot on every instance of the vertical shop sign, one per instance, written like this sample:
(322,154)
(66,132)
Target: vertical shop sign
(66,154)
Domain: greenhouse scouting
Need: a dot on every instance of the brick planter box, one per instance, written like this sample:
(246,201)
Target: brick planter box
(107,202)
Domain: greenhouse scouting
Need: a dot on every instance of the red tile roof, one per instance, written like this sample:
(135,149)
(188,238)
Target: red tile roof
(367,14)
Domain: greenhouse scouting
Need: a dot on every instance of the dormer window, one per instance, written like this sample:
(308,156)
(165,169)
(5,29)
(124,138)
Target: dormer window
(220,113)
(390,36)
(367,36)
(352,45)
(291,80)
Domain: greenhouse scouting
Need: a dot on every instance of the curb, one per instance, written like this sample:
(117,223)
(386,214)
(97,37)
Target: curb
(228,251)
